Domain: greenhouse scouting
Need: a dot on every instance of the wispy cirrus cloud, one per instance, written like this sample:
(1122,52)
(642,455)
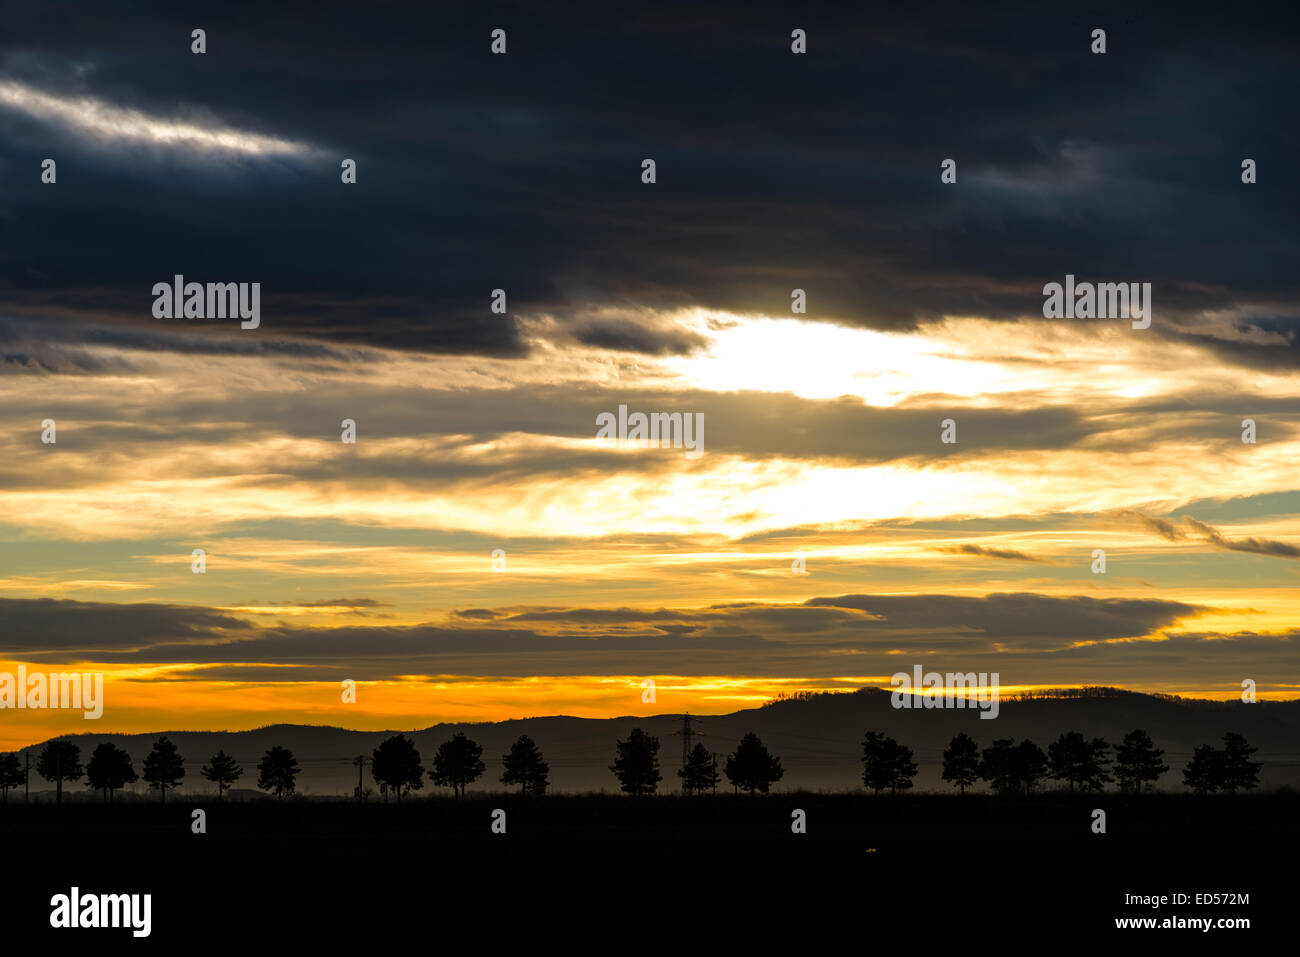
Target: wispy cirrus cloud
(1010,554)
(97,119)
(1255,546)
(1193,529)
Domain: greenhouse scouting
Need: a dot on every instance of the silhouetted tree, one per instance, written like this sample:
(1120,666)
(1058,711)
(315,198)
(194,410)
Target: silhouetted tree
(875,765)
(752,768)
(1138,760)
(1030,764)
(59,761)
(700,773)
(277,772)
(1079,762)
(1009,767)
(395,765)
(457,763)
(1238,771)
(109,769)
(637,763)
(1226,769)
(1204,771)
(223,772)
(525,767)
(886,763)
(164,767)
(997,766)
(961,762)
(901,767)
(11,774)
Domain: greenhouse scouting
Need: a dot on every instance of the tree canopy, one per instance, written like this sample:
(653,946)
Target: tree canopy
(1138,761)
(637,763)
(164,767)
(752,768)
(277,772)
(223,772)
(700,773)
(1228,769)
(886,764)
(1009,767)
(524,766)
(961,762)
(396,766)
(1082,764)
(59,761)
(458,762)
(11,774)
(109,769)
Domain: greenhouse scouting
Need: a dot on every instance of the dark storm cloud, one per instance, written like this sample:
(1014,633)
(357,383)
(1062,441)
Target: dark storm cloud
(41,626)
(775,171)
(1269,356)
(1202,657)
(1077,618)
(1026,637)
(772,638)
(57,345)
(629,336)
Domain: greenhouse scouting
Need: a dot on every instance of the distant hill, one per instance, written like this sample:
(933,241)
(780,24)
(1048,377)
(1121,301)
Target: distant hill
(818,738)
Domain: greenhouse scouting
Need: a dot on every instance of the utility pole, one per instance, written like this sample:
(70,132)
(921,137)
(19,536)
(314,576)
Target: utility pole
(715,773)
(360,762)
(687,733)
(27,772)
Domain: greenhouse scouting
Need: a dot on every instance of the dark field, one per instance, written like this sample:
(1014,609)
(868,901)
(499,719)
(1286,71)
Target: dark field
(330,870)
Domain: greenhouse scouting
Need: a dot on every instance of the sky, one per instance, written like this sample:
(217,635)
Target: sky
(824,538)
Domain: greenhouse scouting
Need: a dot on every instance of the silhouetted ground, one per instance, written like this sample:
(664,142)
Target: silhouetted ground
(726,868)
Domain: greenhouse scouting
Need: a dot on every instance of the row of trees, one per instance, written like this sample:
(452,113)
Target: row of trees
(1008,767)
(1082,764)
(395,765)
(750,768)
(457,763)
(110,769)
